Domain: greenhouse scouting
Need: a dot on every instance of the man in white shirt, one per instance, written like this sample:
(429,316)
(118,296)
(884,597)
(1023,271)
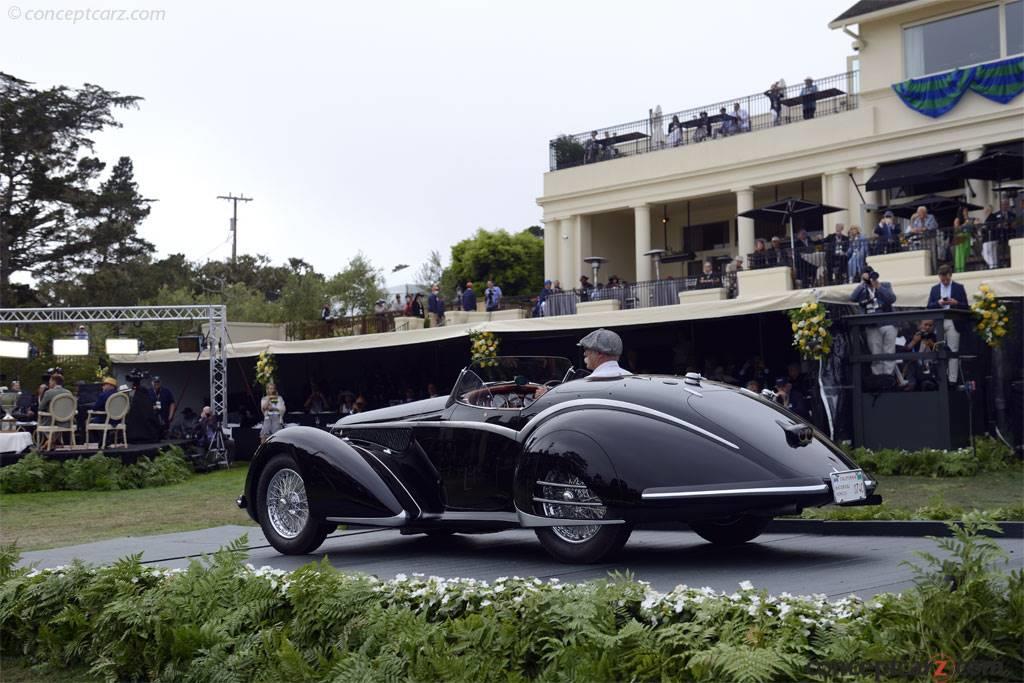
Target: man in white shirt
(742,118)
(601,351)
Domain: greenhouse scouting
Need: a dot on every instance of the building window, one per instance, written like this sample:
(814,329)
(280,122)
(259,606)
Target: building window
(1014,28)
(956,41)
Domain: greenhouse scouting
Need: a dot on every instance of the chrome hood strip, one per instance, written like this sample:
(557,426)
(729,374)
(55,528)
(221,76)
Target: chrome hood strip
(437,424)
(757,491)
(575,404)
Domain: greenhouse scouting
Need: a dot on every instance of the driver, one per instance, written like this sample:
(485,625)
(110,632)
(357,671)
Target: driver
(601,351)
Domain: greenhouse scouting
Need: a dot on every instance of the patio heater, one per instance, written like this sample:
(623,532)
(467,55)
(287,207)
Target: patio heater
(656,255)
(595,264)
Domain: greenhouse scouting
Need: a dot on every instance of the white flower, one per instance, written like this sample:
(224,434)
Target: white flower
(746,586)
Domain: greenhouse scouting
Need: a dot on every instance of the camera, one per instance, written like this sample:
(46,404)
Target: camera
(136,376)
(52,371)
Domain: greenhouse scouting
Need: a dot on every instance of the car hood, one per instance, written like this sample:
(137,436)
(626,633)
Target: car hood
(427,409)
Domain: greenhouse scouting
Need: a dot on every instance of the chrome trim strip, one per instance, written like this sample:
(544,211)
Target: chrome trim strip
(567,502)
(621,405)
(529,521)
(458,424)
(505,517)
(565,486)
(774,490)
(419,508)
(396,521)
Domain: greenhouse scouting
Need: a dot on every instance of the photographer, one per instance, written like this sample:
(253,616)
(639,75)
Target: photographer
(794,401)
(921,374)
(875,296)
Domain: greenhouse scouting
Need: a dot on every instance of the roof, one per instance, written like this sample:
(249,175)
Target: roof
(865,7)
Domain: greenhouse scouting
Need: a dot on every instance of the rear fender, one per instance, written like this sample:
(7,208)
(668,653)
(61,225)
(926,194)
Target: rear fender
(343,480)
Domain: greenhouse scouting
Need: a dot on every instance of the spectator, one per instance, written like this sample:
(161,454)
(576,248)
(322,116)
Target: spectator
(380,307)
(741,118)
(777,256)
(586,288)
(273,409)
(888,233)
(26,404)
(108,389)
(416,307)
(754,386)
(990,246)
(608,150)
(873,297)
(542,298)
(775,95)
(315,402)
(703,130)
(325,311)
(791,399)
(708,279)
(922,222)
(360,404)
(206,427)
(163,404)
(346,402)
(492,297)
(81,332)
(397,306)
(591,149)
(435,307)
(963,239)
(469,296)
(728,125)
(1000,227)
(675,131)
(557,287)
(806,272)
(858,254)
(432,390)
(837,250)
(759,257)
(808,95)
(921,374)
(948,294)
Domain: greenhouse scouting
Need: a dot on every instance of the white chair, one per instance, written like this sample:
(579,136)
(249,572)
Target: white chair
(61,420)
(114,410)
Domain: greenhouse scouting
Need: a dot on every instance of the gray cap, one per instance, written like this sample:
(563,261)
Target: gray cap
(603,341)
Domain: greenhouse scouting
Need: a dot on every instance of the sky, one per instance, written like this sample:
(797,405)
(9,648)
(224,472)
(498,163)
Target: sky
(391,128)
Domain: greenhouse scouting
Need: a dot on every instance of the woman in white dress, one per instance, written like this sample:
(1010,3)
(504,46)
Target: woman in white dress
(272,407)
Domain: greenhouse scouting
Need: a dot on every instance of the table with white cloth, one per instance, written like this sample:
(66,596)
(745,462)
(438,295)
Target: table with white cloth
(816,259)
(14,442)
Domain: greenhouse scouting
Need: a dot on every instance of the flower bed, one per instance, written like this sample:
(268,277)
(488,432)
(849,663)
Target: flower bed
(228,621)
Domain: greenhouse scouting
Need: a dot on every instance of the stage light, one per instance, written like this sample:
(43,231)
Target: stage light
(14,349)
(190,344)
(122,346)
(71,347)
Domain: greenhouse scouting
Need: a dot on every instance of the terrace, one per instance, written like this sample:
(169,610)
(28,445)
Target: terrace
(659,131)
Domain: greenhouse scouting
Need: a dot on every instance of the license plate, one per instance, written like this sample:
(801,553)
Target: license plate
(848,486)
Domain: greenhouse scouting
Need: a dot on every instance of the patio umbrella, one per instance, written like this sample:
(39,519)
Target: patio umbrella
(934,203)
(992,166)
(786,210)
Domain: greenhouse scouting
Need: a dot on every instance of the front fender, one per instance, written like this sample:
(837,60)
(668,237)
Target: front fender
(342,479)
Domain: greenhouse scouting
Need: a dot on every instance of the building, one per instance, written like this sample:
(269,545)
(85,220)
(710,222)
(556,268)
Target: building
(620,191)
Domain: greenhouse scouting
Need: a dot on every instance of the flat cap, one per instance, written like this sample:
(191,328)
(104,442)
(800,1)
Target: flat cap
(602,341)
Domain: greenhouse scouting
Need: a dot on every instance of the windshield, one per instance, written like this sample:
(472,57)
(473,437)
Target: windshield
(484,376)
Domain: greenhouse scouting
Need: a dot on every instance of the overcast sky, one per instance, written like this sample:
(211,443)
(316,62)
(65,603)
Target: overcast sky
(393,127)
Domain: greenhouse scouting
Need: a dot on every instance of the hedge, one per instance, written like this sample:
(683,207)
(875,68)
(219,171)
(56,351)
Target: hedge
(33,473)
(221,620)
(992,456)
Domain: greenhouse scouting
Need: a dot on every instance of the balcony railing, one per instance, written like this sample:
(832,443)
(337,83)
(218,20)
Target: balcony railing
(831,95)
(637,295)
(979,248)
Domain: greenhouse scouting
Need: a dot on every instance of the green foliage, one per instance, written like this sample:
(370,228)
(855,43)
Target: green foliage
(220,620)
(936,511)
(356,288)
(567,151)
(992,456)
(514,261)
(33,473)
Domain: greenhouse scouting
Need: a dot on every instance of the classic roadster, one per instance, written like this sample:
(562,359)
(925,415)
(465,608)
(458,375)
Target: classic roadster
(524,442)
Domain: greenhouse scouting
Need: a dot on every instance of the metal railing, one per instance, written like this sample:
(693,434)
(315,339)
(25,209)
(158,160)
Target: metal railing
(978,247)
(371,323)
(647,294)
(830,95)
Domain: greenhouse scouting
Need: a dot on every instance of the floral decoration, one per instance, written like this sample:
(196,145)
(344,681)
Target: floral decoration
(811,334)
(483,348)
(993,318)
(266,368)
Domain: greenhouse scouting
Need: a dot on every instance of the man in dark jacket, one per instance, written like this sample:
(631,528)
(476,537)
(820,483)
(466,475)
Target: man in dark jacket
(877,297)
(469,298)
(837,250)
(950,295)
(435,307)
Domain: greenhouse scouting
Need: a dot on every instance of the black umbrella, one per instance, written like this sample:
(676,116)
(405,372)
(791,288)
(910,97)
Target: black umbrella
(992,166)
(935,203)
(786,210)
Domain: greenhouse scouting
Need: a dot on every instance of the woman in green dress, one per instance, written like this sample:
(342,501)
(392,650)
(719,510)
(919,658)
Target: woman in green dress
(963,232)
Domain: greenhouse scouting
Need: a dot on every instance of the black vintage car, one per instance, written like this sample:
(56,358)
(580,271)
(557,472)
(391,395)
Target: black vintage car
(522,442)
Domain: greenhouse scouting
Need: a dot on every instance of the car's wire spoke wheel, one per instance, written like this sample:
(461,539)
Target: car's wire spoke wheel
(287,506)
(579,503)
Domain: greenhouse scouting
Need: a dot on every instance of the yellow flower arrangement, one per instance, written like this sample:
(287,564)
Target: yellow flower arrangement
(483,348)
(266,368)
(992,317)
(810,324)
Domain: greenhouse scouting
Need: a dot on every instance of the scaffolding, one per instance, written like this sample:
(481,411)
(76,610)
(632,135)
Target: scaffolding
(214,315)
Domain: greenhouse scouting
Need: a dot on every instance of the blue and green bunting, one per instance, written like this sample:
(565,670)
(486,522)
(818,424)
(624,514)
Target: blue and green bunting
(999,81)
(935,95)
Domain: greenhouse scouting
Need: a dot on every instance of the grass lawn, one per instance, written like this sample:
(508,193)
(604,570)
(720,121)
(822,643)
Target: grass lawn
(14,670)
(58,518)
(984,491)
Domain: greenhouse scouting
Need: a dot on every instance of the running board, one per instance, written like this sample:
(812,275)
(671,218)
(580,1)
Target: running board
(397,520)
(528,521)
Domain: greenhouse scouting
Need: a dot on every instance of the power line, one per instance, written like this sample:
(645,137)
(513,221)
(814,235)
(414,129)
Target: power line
(234,222)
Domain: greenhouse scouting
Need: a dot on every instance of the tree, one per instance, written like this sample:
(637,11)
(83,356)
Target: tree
(357,288)
(514,262)
(430,271)
(45,180)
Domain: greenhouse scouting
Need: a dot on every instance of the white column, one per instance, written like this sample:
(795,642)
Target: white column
(567,268)
(744,226)
(580,237)
(839,197)
(868,218)
(551,240)
(982,188)
(642,242)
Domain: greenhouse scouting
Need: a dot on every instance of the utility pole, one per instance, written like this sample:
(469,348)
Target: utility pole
(234,222)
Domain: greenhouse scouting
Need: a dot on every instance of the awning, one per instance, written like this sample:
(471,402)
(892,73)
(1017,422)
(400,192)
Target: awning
(1011,147)
(913,171)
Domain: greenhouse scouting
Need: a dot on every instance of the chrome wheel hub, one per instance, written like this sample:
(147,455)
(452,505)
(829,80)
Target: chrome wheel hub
(577,502)
(287,506)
